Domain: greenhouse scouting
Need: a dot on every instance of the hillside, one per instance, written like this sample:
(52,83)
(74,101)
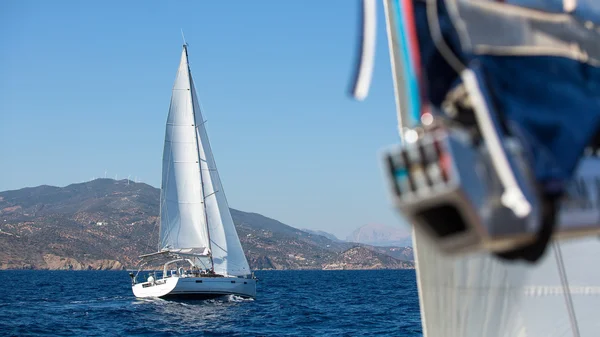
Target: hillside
(107,224)
(364,258)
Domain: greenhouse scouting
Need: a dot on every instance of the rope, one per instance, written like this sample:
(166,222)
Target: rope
(566,290)
(438,38)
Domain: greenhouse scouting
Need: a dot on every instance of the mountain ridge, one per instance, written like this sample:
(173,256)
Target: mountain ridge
(107,224)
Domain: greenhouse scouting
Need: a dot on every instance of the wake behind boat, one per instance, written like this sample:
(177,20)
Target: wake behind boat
(200,255)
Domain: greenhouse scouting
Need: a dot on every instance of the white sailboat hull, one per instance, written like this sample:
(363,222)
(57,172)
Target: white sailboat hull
(196,287)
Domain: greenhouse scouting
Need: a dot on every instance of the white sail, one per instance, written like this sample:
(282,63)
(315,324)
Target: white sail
(479,295)
(227,253)
(482,296)
(182,218)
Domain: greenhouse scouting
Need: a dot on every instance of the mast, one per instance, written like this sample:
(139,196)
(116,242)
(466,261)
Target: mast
(212,265)
(391,24)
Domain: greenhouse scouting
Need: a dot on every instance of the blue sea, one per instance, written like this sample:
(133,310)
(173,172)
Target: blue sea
(289,303)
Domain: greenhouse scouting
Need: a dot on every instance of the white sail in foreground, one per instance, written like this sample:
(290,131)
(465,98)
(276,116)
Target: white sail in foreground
(480,295)
(196,226)
(477,295)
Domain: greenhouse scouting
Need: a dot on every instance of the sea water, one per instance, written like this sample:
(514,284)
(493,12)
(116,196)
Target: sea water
(288,303)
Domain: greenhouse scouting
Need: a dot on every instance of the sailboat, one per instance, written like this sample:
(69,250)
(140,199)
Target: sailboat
(199,250)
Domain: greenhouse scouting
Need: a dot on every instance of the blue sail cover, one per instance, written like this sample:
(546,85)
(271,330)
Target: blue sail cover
(538,61)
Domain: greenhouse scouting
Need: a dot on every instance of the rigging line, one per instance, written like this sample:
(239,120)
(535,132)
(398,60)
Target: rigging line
(218,246)
(567,292)
(156,223)
(213,193)
(438,38)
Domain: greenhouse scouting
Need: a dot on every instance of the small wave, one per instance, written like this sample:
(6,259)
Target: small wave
(236,298)
(100,299)
(146,300)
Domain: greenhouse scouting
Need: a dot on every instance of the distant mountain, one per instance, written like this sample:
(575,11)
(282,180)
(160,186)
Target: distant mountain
(107,224)
(323,233)
(381,235)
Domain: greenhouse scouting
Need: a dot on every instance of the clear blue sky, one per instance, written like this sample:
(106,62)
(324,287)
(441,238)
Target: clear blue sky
(85,86)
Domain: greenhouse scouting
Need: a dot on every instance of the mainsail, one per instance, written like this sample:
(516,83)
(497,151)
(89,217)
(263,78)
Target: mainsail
(194,210)
(182,220)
